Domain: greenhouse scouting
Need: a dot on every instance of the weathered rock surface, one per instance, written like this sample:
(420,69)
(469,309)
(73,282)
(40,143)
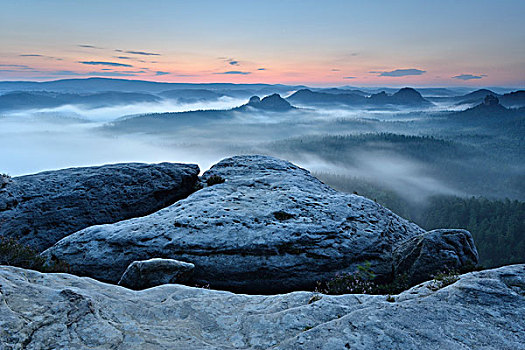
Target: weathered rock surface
(271,227)
(421,256)
(483,310)
(155,272)
(40,209)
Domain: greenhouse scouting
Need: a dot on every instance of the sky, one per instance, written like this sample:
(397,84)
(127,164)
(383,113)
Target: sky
(324,43)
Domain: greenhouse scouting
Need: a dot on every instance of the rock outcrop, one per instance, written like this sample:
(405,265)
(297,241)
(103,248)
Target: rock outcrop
(403,97)
(270,227)
(482,310)
(40,209)
(272,102)
(155,272)
(422,256)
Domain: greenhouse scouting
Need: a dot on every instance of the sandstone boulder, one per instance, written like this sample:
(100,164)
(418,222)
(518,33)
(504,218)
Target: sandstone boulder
(271,227)
(422,256)
(40,209)
(155,272)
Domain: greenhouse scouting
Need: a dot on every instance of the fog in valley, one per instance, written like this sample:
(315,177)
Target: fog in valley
(343,140)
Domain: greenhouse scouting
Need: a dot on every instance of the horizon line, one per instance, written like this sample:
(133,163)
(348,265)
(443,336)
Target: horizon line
(317,85)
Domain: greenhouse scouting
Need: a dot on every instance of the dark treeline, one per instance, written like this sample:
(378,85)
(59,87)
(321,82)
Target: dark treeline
(498,226)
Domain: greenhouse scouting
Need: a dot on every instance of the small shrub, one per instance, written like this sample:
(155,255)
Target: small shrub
(398,285)
(282,215)
(214,180)
(359,282)
(198,186)
(15,254)
(362,282)
(443,279)
(390,299)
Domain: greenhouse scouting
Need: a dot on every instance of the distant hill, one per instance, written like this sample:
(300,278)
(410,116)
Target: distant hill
(164,122)
(430,92)
(481,93)
(191,95)
(15,101)
(309,97)
(340,91)
(490,108)
(491,115)
(407,97)
(513,99)
(124,85)
(474,97)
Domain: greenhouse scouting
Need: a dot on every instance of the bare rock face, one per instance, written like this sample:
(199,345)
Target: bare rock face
(155,272)
(422,256)
(40,209)
(271,227)
(482,310)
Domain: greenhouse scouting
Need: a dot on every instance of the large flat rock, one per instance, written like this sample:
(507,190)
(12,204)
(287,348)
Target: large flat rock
(40,209)
(270,227)
(483,310)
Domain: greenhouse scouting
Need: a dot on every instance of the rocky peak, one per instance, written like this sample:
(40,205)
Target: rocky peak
(272,102)
(490,100)
(254,101)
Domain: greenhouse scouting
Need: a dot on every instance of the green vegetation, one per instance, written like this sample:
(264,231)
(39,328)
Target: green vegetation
(13,253)
(443,279)
(198,186)
(361,281)
(214,180)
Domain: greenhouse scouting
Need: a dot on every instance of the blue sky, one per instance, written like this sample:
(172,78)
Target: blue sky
(313,42)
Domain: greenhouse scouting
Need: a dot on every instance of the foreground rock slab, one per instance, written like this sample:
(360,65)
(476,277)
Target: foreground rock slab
(40,209)
(271,227)
(483,309)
